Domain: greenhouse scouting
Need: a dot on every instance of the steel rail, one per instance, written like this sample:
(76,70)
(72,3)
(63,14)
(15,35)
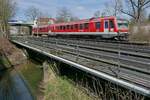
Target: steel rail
(105,49)
(108,41)
(145,49)
(98,57)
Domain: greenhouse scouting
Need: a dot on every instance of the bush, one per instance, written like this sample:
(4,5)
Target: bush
(140,33)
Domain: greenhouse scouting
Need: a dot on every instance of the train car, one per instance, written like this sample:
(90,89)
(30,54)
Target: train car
(106,27)
(40,30)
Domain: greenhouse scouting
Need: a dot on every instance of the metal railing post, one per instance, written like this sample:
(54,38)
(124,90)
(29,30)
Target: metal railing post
(56,46)
(119,55)
(77,51)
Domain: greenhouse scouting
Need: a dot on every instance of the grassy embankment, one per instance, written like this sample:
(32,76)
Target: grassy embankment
(32,74)
(4,62)
(12,56)
(61,88)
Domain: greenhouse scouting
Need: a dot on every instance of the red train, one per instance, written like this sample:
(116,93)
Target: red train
(106,27)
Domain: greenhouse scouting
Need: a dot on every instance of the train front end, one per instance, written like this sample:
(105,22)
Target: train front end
(122,29)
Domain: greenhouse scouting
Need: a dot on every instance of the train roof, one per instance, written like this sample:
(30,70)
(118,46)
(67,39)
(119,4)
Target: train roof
(84,20)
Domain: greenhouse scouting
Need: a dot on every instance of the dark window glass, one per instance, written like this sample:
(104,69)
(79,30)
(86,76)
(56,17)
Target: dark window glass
(68,26)
(76,26)
(64,27)
(81,26)
(86,25)
(106,24)
(123,25)
(71,26)
(61,28)
(98,25)
(111,24)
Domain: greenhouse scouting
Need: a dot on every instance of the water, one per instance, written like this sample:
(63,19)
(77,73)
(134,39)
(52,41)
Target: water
(13,87)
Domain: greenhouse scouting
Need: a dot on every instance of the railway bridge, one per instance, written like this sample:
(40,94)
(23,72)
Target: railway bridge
(122,63)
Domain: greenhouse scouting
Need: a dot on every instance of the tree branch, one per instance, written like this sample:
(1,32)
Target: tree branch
(146,7)
(146,2)
(133,4)
(127,13)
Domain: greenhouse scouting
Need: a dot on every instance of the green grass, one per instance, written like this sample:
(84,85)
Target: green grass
(4,61)
(60,88)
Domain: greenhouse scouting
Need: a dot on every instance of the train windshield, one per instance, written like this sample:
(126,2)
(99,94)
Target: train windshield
(122,24)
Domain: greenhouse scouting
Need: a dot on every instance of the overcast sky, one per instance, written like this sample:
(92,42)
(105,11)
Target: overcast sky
(80,8)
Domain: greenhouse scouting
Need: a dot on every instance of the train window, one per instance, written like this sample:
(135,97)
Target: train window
(81,26)
(111,24)
(123,25)
(57,27)
(64,28)
(86,25)
(68,26)
(61,27)
(71,26)
(76,26)
(98,25)
(106,24)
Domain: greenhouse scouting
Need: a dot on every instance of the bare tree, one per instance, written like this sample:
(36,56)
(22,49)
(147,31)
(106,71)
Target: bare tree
(117,7)
(64,15)
(7,11)
(135,9)
(113,8)
(32,13)
(74,18)
(97,14)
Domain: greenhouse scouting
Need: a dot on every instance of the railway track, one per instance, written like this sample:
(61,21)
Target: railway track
(132,65)
(126,46)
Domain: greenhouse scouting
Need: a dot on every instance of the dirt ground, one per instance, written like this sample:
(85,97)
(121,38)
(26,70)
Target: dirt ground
(14,55)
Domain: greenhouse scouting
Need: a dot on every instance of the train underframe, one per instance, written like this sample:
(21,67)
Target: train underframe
(116,36)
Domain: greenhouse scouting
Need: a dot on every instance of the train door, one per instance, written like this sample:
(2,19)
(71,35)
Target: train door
(106,26)
(111,26)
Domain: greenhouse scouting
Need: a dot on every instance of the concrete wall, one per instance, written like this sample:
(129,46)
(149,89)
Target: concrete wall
(19,30)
